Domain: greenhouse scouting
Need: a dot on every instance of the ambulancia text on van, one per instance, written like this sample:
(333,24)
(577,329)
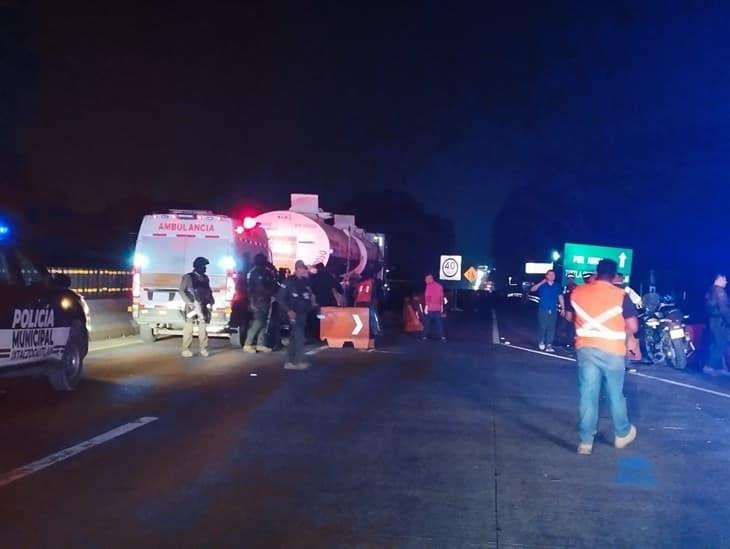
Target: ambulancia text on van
(167,245)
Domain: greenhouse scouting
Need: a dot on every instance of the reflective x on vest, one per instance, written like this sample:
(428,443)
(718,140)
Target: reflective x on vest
(595,327)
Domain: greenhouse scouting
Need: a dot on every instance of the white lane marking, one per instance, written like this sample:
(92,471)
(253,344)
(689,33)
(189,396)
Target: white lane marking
(72,451)
(633,373)
(384,352)
(680,384)
(317,350)
(96,347)
(495,327)
(536,352)
(358,324)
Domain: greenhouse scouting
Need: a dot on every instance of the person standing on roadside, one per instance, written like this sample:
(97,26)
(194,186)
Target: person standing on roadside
(273,329)
(718,321)
(198,298)
(551,305)
(297,298)
(567,331)
(261,286)
(325,287)
(433,313)
(605,319)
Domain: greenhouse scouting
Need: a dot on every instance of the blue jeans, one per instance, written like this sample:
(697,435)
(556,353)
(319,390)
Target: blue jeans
(546,323)
(433,322)
(594,368)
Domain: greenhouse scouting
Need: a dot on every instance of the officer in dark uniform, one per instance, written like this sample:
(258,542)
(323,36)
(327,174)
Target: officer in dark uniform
(261,288)
(198,297)
(298,300)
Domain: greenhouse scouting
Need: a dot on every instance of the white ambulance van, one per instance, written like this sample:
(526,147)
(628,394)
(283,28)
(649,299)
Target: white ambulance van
(167,245)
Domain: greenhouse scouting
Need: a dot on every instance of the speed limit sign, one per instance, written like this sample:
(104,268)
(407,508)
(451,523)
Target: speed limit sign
(450,267)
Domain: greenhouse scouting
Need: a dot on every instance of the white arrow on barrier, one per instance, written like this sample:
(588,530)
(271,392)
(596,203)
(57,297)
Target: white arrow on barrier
(358,324)
(622,260)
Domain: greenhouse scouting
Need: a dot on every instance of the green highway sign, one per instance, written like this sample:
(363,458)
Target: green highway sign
(583,258)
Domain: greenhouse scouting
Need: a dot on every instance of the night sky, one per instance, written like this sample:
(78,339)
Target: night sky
(475,109)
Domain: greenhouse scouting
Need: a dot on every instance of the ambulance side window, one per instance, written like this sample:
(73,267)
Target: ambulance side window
(31,275)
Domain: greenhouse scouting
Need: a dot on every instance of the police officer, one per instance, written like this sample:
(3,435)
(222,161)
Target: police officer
(298,300)
(261,288)
(198,297)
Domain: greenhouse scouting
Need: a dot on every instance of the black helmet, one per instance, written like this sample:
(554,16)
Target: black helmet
(200,262)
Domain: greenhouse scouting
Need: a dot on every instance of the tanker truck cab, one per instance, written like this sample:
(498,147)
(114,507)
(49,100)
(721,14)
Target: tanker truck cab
(167,245)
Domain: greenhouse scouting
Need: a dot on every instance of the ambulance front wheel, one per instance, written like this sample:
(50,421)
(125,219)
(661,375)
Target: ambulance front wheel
(147,334)
(65,376)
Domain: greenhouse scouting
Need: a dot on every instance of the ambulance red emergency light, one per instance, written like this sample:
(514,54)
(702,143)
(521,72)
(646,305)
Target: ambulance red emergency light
(167,245)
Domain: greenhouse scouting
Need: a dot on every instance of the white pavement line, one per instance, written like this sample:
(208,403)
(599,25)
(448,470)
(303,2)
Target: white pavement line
(495,327)
(680,384)
(100,346)
(639,374)
(72,451)
(317,350)
(543,353)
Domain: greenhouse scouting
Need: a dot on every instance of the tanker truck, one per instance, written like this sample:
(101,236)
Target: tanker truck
(308,233)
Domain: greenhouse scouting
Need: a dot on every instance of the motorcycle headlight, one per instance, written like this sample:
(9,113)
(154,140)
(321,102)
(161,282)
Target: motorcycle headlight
(653,323)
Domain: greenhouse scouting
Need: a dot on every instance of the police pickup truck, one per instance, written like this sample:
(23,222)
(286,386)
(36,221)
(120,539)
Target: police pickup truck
(42,322)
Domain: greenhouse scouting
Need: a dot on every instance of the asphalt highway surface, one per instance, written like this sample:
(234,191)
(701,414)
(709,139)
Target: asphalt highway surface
(470,443)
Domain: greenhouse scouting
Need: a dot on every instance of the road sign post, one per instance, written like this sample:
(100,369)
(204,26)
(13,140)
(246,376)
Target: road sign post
(450,271)
(579,259)
(450,268)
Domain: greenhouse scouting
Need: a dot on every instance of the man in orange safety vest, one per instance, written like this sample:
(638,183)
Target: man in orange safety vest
(605,319)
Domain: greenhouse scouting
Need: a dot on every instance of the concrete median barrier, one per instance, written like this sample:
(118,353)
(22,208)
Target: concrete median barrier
(110,318)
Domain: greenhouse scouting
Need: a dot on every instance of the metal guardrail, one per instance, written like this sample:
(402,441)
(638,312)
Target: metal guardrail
(97,283)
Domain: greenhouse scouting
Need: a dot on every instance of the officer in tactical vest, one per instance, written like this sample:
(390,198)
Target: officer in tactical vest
(198,297)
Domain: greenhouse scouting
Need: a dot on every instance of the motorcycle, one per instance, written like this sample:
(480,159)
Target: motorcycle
(665,337)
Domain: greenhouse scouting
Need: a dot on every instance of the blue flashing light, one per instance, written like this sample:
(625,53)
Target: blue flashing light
(4,231)
(140,261)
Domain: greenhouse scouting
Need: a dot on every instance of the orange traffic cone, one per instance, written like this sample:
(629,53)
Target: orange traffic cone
(410,318)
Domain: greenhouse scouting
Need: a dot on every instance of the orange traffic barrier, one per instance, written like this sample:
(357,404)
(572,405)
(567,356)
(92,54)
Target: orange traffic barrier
(411,322)
(342,325)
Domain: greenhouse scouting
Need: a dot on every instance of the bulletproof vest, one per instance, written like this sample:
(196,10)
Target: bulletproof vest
(201,288)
